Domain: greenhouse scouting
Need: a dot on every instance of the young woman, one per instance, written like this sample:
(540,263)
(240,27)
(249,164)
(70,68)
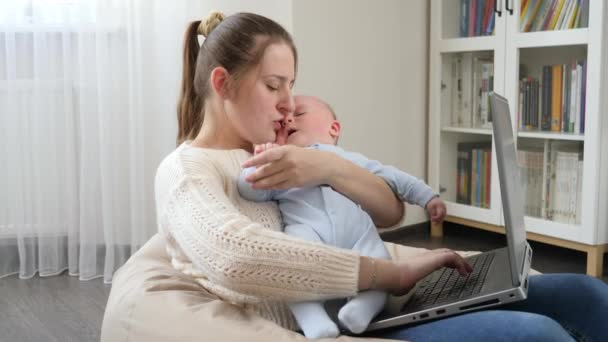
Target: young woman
(236,91)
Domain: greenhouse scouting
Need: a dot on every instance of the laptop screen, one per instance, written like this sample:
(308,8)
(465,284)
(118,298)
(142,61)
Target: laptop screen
(508,173)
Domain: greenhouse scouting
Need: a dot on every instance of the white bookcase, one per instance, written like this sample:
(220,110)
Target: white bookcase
(515,54)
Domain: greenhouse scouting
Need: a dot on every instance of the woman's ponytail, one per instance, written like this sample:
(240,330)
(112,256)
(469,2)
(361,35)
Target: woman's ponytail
(190,105)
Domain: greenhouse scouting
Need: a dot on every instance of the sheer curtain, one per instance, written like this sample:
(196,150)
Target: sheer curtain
(87,111)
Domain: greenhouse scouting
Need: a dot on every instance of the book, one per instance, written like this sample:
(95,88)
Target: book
(487,80)
(488,176)
(490,28)
(479,16)
(464,18)
(584,20)
(574,14)
(468,174)
(472,16)
(566,80)
(556,14)
(562,166)
(524,8)
(528,15)
(488,12)
(455,92)
(553,8)
(467,90)
(532,16)
(572,97)
(583,97)
(556,98)
(562,16)
(530,160)
(542,15)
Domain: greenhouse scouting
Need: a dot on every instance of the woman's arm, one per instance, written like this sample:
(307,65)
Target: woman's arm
(290,166)
(240,259)
(367,189)
(399,278)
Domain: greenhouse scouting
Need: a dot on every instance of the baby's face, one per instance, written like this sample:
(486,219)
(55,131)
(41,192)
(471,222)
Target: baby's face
(310,123)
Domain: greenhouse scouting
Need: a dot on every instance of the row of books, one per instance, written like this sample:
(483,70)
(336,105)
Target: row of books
(473,176)
(472,79)
(476,18)
(556,102)
(542,15)
(552,181)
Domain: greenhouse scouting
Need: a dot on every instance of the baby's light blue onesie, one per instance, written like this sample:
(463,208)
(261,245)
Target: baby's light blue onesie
(324,215)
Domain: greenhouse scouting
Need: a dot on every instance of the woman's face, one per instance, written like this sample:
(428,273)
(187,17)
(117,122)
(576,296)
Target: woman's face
(264,96)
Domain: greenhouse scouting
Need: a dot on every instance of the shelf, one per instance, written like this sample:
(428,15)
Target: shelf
(552,38)
(467,44)
(566,231)
(470,130)
(594,252)
(551,135)
(522,40)
(470,212)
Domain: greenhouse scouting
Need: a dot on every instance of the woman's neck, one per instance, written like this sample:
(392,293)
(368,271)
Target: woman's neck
(218,135)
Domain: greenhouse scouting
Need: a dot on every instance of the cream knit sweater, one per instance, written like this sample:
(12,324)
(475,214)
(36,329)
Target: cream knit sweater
(235,248)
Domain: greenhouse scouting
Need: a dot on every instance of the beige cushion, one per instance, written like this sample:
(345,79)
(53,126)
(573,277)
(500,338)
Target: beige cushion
(150,301)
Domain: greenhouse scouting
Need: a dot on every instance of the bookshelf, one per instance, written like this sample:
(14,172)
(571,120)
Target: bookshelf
(549,59)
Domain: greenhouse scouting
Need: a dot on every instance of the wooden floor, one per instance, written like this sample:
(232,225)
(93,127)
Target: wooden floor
(63,309)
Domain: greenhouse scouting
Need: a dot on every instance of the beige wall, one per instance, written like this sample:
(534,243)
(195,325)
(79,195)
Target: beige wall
(368,59)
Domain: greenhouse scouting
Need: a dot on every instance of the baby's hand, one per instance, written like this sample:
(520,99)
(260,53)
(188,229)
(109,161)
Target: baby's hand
(436,209)
(257,149)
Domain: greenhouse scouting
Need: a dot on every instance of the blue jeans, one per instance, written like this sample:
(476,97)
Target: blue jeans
(560,307)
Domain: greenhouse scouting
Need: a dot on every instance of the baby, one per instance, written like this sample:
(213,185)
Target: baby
(324,215)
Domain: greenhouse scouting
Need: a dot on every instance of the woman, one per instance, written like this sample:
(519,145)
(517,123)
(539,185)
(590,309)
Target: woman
(235,93)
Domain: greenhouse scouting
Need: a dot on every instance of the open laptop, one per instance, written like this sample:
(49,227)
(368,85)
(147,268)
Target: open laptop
(500,276)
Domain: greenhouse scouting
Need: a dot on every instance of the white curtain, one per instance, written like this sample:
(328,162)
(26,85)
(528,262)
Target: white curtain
(87,111)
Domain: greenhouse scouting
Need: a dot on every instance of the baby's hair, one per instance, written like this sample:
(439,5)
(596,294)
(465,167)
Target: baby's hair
(331,110)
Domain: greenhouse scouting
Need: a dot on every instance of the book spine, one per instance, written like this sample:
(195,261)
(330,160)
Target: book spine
(547,22)
(464,16)
(556,98)
(488,176)
(472,16)
(583,97)
(479,16)
(546,99)
(557,14)
(565,97)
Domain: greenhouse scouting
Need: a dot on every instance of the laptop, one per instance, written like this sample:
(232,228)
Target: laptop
(500,276)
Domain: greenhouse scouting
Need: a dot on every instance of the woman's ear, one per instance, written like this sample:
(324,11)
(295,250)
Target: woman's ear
(219,81)
(334,129)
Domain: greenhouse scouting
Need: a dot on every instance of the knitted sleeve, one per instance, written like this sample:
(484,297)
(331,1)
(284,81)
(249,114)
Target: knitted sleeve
(247,259)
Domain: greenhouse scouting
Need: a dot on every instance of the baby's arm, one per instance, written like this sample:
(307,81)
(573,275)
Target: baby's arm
(245,188)
(407,187)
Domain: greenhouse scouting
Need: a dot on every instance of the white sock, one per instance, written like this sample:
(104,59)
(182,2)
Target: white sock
(361,309)
(314,320)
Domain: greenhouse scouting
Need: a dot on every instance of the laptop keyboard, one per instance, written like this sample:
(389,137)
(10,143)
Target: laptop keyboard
(450,285)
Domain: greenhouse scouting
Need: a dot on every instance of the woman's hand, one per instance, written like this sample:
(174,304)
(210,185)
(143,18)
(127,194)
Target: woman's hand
(290,166)
(287,166)
(422,265)
(399,278)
